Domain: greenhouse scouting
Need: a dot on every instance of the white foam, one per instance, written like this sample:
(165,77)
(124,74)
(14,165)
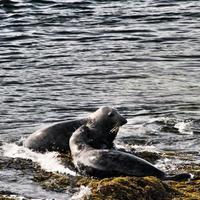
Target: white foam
(184,128)
(68,1)
(191,176)
(48,161)
(142,148)
(13,197)
(166,164)
(138,148)
(170,164)
(83,192)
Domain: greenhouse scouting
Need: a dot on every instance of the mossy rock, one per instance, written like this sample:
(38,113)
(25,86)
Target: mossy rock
(51,181)
(147,188)
(188,190)
(118,188)
(18,164)
(60,182)
(130,188)
(66,160)
(5,197)
(194,169)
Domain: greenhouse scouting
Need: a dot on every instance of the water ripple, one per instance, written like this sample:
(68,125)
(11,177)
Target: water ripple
(60,59)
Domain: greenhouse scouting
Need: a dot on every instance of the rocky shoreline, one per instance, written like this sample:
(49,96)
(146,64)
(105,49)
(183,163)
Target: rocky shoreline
(117,188)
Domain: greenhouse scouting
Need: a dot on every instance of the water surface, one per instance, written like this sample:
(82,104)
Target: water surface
(61,60)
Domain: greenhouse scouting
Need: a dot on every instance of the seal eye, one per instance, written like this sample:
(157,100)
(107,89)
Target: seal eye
(111,114)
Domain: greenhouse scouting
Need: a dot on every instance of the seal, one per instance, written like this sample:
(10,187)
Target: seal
(56,137)
(110,162)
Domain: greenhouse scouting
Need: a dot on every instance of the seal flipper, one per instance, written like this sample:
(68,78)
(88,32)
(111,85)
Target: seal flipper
(178,177)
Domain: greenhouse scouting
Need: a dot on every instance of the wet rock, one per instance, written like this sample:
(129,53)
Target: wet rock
(188,190)
(130,188)
(169,129)
(6,197)
(60,182)
(25,165)
(66,160)
(131,140)
(143,188)
(118,188)
(52,181)
(152,157)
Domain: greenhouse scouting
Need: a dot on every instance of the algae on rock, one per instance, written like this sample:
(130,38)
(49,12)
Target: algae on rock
(130,188)
(116,188)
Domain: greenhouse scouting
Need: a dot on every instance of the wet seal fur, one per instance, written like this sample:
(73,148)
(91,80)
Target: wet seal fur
(109,162)
(56,137)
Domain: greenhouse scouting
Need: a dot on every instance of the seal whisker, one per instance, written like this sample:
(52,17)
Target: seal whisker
(115,128)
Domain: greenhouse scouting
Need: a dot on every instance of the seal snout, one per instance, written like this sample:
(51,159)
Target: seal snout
(123,121)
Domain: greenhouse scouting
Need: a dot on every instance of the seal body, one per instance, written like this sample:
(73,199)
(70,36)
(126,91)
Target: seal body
(109,162)
(53,138)
(56,137)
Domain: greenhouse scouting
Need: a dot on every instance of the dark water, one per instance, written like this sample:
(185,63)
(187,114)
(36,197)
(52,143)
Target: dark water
(62,59)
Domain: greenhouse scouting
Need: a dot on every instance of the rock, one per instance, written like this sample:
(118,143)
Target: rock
(117,188)
(130,188)
(18,164)
(66,160)
(152,157)
(188,190)
(6,197)
(60,182)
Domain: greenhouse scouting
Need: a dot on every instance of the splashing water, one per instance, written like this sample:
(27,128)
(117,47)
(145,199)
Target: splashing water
(84,191)
(184,128)
(138,148)
(48,161)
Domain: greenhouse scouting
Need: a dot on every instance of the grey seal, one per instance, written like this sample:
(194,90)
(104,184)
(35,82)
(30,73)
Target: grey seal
(110,162)
(56,137)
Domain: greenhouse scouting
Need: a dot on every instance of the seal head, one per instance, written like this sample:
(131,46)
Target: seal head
(107,121)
